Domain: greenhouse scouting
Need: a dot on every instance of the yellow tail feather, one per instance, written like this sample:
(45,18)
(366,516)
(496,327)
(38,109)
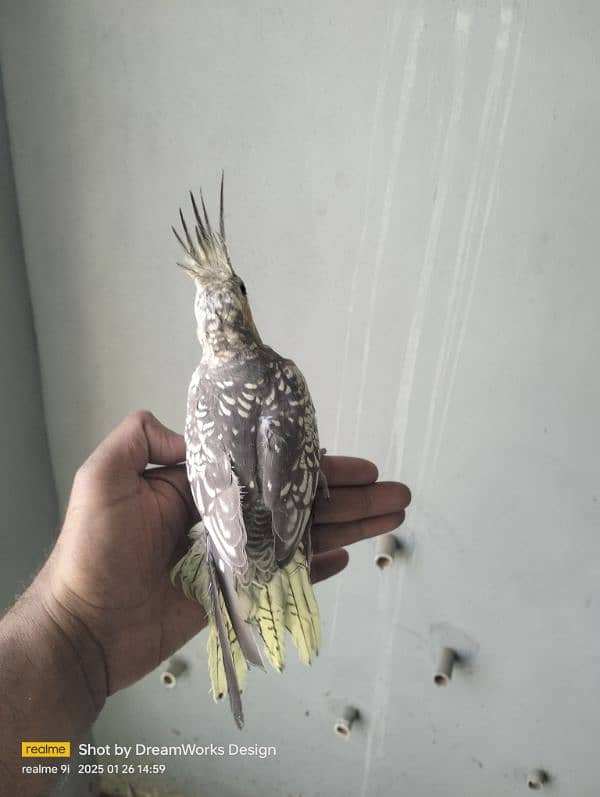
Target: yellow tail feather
(269,608)
(216,669)
(191,571)
(301,610)
(287,601)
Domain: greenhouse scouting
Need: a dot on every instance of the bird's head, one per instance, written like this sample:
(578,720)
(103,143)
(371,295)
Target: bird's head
(223,317)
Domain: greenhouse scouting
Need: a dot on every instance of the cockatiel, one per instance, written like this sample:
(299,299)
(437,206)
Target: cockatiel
(253,463)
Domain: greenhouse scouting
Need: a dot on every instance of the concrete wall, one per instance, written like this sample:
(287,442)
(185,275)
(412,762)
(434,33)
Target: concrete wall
(27,492)
(27,495)
(413,204)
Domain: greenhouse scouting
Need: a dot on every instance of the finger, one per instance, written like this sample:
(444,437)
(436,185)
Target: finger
(140,439)
(348,470)
(353,503)
(331,535)
(181,620)
(325,565)
(176,478)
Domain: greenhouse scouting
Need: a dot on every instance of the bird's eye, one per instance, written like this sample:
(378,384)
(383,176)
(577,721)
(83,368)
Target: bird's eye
(243,288)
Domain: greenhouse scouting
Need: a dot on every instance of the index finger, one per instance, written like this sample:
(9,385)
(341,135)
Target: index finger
(348,471)
(356,503)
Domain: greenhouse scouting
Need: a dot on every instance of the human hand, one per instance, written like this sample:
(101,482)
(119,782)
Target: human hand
(127,525)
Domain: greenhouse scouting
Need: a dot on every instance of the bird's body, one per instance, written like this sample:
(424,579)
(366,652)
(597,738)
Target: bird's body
(259,404)
(253,466)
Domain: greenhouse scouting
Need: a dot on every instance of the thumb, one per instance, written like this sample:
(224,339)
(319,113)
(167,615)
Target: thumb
(139,440)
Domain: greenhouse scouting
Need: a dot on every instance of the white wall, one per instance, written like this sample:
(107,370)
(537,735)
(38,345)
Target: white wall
(27,495)
(27,491)
(413,203)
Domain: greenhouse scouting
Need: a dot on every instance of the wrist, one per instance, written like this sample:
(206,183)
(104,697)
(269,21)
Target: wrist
(73,641)
(51,684)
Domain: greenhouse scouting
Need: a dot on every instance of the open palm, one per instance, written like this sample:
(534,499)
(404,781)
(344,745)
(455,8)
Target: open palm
(127,524)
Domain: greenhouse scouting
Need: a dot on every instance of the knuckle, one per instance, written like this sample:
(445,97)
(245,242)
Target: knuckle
(84,473)
(140,417)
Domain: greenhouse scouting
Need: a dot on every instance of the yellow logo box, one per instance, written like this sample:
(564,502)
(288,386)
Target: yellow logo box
(45,749)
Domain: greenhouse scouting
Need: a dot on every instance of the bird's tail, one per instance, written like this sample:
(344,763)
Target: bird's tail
(301,612)
(288,601)
(197,576)
(226,663)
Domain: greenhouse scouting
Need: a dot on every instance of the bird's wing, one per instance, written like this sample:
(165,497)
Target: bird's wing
(216,492)
(288,457)
(214,485)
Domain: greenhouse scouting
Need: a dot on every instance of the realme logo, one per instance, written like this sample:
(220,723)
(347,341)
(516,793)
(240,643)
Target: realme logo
(45,749)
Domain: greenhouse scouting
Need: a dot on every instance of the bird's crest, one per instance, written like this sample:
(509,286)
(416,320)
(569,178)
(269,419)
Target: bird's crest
(206,257)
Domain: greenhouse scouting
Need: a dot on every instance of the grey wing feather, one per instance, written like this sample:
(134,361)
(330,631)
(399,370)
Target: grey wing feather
(288,458)
(214,485)
(216,492)
(233,689)
(243,629)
